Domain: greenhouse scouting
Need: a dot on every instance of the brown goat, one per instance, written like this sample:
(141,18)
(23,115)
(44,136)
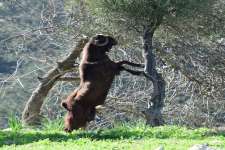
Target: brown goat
(97,72)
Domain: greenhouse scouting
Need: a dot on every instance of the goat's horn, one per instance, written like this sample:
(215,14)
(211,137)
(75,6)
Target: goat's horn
(99,108)
(97,43)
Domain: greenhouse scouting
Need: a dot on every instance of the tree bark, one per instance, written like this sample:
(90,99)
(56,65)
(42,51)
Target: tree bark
(153,114)
(31,113)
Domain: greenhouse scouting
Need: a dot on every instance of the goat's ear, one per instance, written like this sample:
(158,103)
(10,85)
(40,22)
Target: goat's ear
(64,105)
(112,40)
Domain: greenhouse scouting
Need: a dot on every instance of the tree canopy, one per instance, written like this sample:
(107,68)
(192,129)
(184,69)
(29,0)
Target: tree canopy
(199,13)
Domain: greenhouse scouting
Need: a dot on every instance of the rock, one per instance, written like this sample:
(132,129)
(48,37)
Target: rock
(160,148)
(201,147)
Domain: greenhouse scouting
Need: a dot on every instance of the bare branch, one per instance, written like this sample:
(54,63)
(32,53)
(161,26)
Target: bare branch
(32,109)
(68,79)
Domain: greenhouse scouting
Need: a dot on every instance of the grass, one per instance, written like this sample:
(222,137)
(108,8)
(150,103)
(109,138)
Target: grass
(14,123)
(127,137)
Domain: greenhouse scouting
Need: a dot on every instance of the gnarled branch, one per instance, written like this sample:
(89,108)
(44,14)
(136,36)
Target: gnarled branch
(31,113)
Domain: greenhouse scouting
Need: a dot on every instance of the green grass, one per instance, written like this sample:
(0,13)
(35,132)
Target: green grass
(14,123)
(125,137)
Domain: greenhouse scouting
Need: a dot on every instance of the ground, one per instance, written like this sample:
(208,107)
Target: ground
(124,137)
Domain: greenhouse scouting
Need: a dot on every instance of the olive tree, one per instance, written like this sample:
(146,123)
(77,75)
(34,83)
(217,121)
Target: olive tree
(145,17)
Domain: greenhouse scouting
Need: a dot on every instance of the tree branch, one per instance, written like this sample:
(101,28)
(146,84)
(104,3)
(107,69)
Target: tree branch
(32,109)
(68,79)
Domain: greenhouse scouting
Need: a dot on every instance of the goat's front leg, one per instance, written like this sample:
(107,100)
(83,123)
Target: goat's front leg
(133,72)
(124,62)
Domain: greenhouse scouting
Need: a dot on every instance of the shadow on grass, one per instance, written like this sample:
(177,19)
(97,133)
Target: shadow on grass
(25,137)
(21,137)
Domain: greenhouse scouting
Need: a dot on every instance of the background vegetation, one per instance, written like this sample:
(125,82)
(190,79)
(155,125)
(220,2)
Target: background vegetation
(189,46)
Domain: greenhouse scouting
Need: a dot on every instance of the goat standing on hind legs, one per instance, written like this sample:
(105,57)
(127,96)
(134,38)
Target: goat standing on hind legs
(97,72)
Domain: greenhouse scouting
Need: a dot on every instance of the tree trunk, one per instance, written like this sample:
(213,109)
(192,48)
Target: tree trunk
(31,113)
(153,114)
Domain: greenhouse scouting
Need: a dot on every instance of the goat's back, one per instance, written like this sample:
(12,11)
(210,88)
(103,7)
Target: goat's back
(96,79)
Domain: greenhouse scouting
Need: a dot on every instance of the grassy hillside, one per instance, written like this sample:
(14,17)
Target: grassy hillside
(124,137)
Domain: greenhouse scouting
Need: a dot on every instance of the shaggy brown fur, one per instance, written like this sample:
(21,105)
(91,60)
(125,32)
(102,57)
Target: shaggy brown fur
(97,72)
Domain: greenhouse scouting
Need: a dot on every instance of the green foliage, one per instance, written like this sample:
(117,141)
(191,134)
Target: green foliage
(200,15)
(123,137)
(14,123)
(53,125)
(149,9)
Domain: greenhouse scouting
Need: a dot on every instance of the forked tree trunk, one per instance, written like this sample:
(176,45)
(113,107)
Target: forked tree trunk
(153,114)
(31,113)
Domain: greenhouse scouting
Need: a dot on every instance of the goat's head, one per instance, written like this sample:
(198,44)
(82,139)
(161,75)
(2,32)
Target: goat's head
(103,42)
(77,115)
